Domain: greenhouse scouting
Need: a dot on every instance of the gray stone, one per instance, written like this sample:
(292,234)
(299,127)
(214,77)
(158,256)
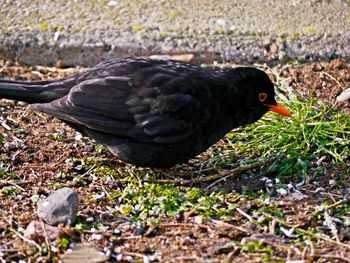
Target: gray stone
(59,207)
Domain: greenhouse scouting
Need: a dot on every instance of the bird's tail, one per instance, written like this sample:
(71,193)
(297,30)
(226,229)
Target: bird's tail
(31,92)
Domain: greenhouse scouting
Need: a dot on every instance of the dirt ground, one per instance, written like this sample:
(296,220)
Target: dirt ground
(36,158)
(324,81)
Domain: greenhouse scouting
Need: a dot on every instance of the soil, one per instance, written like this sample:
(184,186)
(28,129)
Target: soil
(324,81)
(36,158)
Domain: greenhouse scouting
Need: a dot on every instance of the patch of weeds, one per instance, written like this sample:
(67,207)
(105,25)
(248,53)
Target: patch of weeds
(215,205)
(82,223)
(4,157)
(271,210)
(9,191)
(100,148)
(296,35)
(163,34)
(342,179)
(65,176)
(56,185)
(148,200)
(83,165)
(6,174)
(314,131)
(102,167)
(58,27)
(221,30)
(174,14)
(43,26)
(63,243)
(340,209)
(106,171)
(1,138)
(294,163)
(137,28)
(58,137)
(143,201)
(258,246)
(310,30)
(82,182)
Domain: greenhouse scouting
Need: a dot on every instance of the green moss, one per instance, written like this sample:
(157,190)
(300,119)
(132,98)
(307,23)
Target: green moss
(137,28)
(310,30)
(220,30)
(174,14)
(296,35)
(163,34)
(57,137)
(6,174)
(56,185)
(9,190)
(43,26)
(58,27)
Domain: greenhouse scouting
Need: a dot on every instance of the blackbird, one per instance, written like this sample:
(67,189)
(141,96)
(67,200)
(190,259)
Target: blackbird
(152,112)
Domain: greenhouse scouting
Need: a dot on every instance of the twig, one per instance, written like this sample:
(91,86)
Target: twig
(312,249)
(50,167)
(222,175)
(305,232)
(244,214)
(133,254)
(176,173)
(46,239)
(222,223)
(333,78)
(345,259)
(4,182)
(238,172)
(25,239)
(180,225)
(11,229)
(187,259)
(331,225)
(88,171)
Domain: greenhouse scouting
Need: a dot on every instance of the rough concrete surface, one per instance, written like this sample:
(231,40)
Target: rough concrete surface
(84,32)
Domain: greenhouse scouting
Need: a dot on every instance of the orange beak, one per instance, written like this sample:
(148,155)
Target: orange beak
(280,109)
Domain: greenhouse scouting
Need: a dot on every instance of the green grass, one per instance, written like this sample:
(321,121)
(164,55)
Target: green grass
(315,131)
(5,174)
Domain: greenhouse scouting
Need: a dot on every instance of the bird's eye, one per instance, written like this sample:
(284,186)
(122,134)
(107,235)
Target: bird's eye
(262,96)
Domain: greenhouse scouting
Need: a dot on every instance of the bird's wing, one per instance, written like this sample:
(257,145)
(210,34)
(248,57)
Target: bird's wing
(148,109)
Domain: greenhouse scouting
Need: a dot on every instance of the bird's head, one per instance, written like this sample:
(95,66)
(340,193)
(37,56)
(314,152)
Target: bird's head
(256,94)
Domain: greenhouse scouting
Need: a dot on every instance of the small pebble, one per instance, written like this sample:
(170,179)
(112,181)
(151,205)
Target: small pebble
(332,182)
(344,96)
(282,191)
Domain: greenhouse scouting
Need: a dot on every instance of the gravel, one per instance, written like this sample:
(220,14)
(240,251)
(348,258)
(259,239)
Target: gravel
(86,32)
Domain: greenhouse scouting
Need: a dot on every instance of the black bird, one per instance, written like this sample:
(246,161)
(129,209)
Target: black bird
(150,112)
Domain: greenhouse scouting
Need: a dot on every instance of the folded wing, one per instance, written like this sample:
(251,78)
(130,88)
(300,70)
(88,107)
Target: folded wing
(154,107)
